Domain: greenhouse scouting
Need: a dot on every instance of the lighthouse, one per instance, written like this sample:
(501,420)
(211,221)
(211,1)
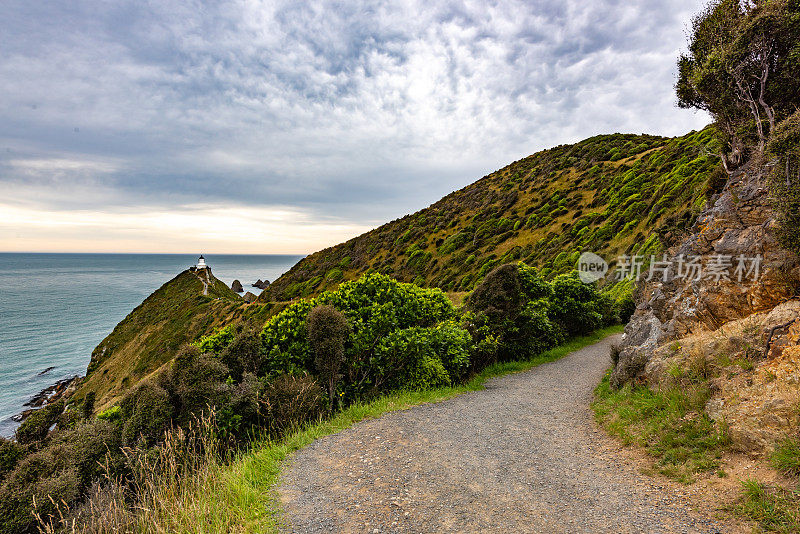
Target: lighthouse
(201,262)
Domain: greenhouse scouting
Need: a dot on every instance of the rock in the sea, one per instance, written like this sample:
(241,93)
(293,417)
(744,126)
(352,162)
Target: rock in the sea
(261,284)
(237,286)
(249,297)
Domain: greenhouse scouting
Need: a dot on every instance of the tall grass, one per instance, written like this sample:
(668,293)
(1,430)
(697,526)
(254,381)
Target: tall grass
(188,485)
(774,509)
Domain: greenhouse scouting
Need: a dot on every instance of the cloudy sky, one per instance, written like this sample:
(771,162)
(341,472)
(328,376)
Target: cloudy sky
(270,127)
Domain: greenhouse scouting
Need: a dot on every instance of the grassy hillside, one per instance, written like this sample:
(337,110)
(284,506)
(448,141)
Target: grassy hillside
(609,194)
(178,312)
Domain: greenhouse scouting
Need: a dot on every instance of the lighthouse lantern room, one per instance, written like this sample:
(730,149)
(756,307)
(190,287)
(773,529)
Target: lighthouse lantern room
(201,262)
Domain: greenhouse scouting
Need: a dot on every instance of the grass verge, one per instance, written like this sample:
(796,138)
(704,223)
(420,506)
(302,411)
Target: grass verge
(241,496)
(670,424)
(774,509)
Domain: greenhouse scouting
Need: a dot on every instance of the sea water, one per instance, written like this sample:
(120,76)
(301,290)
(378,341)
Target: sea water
(56,308)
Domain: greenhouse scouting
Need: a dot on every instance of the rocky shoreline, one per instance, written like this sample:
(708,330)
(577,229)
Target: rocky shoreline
(60,389)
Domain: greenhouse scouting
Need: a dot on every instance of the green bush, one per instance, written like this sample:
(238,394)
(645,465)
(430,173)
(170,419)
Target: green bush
(374,305)
(146,412)
(243,353)
(37,425)
(510,313)
(63,470)
(289,401)
(576,306)
(421,358)
(10,453)
(196,383)
(327,332)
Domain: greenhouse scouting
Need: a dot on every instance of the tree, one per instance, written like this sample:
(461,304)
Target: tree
(327,332)
(742,67)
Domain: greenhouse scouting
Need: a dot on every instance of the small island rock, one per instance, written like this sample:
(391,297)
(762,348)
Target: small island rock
(261,284)
(237,286)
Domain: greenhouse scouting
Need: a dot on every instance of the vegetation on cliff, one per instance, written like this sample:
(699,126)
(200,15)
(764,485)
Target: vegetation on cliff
(247,383)
(609,194)
(192,304)
(742,67)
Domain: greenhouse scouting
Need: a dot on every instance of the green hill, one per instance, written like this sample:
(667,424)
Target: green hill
(609,194)
(191,305)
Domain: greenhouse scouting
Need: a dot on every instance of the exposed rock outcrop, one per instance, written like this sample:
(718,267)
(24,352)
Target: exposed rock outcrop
(737,223)
(249,297)
(261,284)
(237,286)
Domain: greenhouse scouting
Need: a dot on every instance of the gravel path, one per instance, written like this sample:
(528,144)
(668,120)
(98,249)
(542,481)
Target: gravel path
(523,455)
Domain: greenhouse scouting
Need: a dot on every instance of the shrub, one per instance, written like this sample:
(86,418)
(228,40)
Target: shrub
(197,382)
(421,358)
(111,414)
(88,405)
(374,305)
(10,453)
(37,425)
(217,341)
(498,296)
(327,333)
(243,353)
(575,305)
(146,413)
(289,401)
(510,311)
(61,470)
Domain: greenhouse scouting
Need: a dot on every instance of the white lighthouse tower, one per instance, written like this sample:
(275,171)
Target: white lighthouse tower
(201,262)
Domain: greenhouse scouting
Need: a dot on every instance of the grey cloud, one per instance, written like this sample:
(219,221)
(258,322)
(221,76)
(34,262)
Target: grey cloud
(349,109)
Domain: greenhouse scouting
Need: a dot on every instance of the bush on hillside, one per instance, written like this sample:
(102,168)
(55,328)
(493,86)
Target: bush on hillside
(327,333)
(578,307)
(289,401)
(10,453)
(197,382)
(510,312)
(146,412)
(62,469)
(243,353)
(419,358)
(36,426)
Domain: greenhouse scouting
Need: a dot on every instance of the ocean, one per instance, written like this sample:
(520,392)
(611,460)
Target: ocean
(56,308)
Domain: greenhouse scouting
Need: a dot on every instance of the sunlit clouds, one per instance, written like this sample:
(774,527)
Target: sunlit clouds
(288,127)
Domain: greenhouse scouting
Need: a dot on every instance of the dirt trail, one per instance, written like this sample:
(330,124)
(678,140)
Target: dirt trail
(524,455)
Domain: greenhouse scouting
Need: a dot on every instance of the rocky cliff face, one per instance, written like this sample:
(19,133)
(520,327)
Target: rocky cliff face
(705,315)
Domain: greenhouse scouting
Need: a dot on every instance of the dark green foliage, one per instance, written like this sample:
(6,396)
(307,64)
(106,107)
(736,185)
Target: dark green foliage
(198,382)
(10,454)
(785,179)
(289,401)
(63,469)
(510,316)
(88,405)
(420,358)
(327,333)
(146,412)
(499,295)
(576,306)
(36,426)
(243,353)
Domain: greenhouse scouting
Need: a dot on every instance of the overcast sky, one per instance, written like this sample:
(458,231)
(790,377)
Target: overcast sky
(270,127)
